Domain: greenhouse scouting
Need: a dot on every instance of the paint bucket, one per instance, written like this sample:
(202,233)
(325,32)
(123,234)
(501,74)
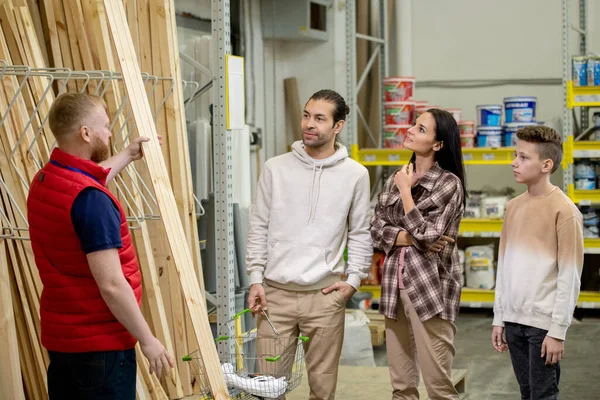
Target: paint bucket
(510,132)
(467,141)
(456,113)
(398,88)
(585,170)
(399,112)
(466,128)
(580,70)
(393,135)
(489,115)
(585,184)
(489,136)
(593,71)
(519,109)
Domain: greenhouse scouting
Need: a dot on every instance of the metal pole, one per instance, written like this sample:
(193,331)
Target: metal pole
(222,150)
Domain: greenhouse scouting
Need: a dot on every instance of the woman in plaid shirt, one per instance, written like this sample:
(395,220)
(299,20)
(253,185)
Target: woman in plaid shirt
(416,222)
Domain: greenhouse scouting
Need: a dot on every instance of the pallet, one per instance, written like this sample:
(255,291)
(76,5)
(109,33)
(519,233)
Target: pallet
(376,326)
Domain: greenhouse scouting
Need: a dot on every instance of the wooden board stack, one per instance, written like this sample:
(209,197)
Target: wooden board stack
(84,35)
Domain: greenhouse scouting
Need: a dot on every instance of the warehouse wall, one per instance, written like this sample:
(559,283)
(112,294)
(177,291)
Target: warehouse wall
(316,65)
(479,40)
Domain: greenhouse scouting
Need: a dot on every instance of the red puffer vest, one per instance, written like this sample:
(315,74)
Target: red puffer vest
(74,317)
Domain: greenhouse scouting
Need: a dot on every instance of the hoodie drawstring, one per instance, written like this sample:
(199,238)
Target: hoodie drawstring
(312,206)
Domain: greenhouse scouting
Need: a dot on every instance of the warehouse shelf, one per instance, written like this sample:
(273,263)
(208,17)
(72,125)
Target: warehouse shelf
(591,245)
(474,227)
(399,157)
(483,298)
(582,96)
(586,149)
(583,197)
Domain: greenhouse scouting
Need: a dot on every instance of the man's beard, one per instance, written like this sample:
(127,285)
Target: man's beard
(100,151)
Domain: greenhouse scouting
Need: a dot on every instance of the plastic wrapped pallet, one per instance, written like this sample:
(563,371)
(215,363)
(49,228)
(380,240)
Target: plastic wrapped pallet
(357,348)
(480,267)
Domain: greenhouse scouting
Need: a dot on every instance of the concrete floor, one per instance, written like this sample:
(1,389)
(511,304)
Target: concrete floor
(490,375)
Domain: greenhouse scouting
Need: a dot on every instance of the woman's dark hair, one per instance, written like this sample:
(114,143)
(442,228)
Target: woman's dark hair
(340,111)
(449,157)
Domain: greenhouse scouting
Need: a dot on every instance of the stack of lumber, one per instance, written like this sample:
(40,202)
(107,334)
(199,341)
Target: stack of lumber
(89,35)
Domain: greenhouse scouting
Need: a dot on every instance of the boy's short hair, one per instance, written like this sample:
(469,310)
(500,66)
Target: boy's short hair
(548,142)
(68,110)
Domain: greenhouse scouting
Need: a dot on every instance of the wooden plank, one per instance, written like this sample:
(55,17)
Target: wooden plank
(11,385)
(96,17)
(14,125)
(181,171)
(172,114)
(36,19)
(33,385)
(33,338)
(9,25)
(38,84)
(154,388)
(141,389)
(51,39)
(83,43)
(195,301)
(292,107)
(63,38)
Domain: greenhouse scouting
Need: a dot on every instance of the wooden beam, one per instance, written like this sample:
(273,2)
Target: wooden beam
(51,39)
(33,387)
(63,39)
(195,301)
(154,388)
(96,17)
(11,384)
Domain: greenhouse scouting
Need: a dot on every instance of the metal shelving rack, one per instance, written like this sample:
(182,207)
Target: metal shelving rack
(222,156)
(583,97)
(353,86)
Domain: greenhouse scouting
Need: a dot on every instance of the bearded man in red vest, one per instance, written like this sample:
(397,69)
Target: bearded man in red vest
(90,305)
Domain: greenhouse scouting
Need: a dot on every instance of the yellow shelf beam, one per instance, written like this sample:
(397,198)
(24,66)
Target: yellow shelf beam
(399,157)
(471,227)
(583,197)
(582,96)
(586,149)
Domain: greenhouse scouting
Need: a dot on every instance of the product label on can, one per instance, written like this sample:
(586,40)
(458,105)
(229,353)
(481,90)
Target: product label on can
(593,71)
(519,114)
(580,71)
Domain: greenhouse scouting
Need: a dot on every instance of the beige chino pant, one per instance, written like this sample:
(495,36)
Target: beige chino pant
(314,314)
(429,345)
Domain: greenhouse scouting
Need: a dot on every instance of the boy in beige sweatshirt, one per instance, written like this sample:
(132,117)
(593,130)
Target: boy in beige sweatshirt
(539,267)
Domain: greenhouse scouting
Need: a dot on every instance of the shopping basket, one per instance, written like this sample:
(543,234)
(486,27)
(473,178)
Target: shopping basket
(254,367)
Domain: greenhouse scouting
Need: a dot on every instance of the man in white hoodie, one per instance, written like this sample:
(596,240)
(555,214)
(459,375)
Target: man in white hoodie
(311,204)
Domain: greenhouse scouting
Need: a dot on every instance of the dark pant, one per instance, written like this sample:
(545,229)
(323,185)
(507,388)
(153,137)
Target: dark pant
(102,375)
(537,380)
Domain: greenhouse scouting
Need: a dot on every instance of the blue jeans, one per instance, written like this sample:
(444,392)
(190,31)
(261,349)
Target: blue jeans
(102,375)
(537,380)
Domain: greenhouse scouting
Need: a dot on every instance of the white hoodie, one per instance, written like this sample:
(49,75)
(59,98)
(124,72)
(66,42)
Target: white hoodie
(306,213)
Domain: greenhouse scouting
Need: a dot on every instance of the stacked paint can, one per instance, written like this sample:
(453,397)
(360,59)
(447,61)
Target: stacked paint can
(586,175)
(586,70)
(467,134)
(489,130)
(518,113)
(399,108)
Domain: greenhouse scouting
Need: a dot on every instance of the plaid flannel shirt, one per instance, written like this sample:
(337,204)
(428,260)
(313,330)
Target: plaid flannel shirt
(432,280)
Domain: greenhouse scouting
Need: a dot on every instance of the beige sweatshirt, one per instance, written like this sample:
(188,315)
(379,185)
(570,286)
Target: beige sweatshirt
(305,214)
(539,263)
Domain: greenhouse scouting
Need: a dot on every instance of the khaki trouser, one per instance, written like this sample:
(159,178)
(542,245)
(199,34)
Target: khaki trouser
(412,343)
(314,314)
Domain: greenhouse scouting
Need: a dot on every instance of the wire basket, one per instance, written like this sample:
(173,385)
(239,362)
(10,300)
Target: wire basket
(253,367)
